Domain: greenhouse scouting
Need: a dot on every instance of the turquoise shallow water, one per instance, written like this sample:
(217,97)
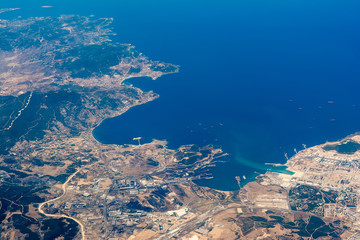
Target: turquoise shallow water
(256,76)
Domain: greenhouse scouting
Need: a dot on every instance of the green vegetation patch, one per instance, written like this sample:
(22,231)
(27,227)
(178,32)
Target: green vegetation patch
(311,226)
(35,119)
(310,199)
(20,194)
(152,162)
(23,225)
(63,228)
(349,147)
(92,60)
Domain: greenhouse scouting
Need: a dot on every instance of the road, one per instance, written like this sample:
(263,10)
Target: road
(63,215)
(193,223)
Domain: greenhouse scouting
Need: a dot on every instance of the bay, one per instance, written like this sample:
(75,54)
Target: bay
(257,77)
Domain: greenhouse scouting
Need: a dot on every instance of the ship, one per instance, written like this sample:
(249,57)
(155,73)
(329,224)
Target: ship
(207,178)
(238,179)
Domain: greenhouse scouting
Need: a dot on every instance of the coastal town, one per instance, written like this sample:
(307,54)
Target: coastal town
(146,191)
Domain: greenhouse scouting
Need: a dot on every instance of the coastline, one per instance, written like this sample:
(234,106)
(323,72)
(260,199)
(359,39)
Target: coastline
(233,92)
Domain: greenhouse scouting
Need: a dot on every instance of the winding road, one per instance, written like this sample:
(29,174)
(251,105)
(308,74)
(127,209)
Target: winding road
(63,215)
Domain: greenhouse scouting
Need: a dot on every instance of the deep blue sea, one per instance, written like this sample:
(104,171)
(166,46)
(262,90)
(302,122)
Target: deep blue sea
(257,77)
